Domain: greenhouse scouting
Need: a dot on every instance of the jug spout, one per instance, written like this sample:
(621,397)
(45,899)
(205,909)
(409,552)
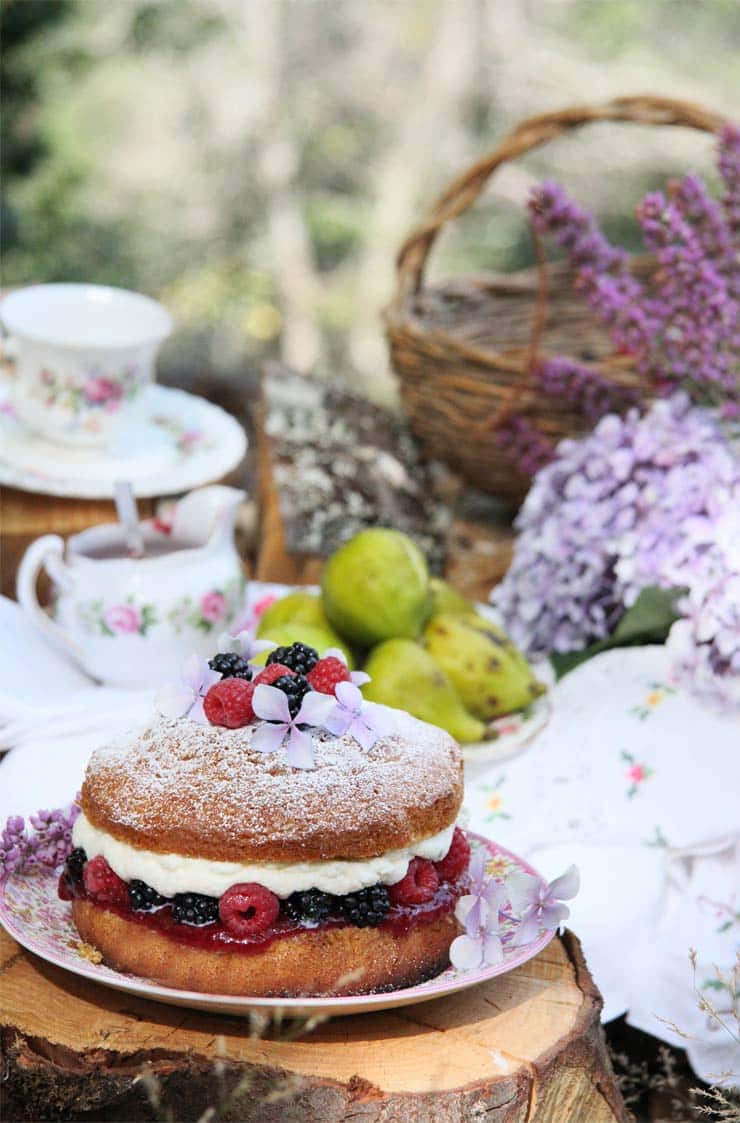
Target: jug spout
(207,515)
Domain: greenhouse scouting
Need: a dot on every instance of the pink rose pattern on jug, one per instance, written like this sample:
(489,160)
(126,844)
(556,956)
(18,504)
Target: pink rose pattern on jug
(213,608)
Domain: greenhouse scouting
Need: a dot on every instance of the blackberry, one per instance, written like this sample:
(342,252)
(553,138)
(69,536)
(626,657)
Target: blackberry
(310,906)
(74,864)
(368,908)
(295,688)
(230,665)
(143,898)
(299,657)
(194,908)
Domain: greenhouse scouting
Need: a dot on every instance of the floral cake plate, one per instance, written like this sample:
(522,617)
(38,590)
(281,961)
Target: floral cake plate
(32,913)
(177,442)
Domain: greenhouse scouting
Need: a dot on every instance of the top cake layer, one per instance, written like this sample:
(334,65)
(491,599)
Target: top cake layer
(202,791)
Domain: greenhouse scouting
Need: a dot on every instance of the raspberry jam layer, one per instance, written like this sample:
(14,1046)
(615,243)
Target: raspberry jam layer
(215,937)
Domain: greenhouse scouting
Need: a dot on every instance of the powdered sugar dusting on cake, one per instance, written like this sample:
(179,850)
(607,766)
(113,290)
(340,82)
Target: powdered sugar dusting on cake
(206,788)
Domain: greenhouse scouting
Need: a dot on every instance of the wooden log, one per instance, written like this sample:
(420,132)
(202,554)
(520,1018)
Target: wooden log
(524,1048)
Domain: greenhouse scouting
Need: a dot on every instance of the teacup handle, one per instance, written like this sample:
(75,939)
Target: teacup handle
(45,553)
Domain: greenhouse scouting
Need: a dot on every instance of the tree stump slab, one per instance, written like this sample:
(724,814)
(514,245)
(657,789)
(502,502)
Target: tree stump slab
(524,1048)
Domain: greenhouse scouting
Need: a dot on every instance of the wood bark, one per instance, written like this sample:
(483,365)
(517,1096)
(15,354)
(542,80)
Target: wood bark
(524,1048)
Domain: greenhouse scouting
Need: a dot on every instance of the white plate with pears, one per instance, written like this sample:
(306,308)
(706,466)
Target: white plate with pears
(423,642)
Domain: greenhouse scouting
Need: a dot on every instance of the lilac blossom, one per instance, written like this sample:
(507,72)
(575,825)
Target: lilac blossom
(635,503)
(539,904)
(184,698)
(273,707)
(351,714)
(45,847)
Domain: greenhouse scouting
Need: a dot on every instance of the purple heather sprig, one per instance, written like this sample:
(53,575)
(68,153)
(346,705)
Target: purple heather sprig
(523,444)
(184,698)
(45,847)
(594,395)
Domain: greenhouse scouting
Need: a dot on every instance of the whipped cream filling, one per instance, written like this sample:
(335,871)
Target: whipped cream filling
(174,873)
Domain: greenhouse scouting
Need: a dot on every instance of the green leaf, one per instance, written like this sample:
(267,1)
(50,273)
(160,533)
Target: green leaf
(649,620)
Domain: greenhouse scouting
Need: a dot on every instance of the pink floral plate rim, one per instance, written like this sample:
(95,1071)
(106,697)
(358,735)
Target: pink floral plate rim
(32,913)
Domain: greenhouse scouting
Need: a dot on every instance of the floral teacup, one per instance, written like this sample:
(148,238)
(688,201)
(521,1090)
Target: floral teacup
(132,621)
(83,354)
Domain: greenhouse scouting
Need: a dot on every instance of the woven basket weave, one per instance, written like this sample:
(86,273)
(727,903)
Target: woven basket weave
(465,350)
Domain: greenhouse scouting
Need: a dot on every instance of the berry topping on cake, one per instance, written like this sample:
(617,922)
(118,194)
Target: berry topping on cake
(194,908)
(248,909)
(456,861)
(368,908)
(327,673)
(299,657)
(74,865)
(271,674)
(295,688)
(418,886)
(143,898)
(310,906)
(102,884)
(230,665)
(229,703)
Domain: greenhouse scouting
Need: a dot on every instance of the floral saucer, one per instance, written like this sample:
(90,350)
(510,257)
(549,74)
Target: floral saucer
(32,913)
(178,442)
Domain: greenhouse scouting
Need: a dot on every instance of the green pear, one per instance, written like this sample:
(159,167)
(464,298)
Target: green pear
(445,598)
(405,676)
(296,607)
(282,635)
(490,674)
(376,587)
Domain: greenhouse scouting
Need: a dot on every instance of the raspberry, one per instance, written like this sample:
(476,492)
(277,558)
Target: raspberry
(230,665)
(248,909)
(455,862)
(368,908)
(295,688)
(271,674)
(298,657)
(64,889)
(194,908)
(327,673)
(229,703)
(418,886)
(102,884)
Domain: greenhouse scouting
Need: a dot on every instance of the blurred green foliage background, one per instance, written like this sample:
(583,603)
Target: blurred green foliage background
(257,163)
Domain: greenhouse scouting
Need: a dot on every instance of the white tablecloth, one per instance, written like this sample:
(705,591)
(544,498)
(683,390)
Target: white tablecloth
(633,780)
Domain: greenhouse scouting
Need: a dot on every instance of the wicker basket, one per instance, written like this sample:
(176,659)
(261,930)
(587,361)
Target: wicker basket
(465,350)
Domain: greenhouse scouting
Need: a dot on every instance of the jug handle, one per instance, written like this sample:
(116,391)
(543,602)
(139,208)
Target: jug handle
(45,553)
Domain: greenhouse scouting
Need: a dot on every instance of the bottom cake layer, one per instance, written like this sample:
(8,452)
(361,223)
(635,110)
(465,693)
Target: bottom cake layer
(323,961)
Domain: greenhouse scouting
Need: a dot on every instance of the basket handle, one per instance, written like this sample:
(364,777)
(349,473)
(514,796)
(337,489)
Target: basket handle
(535,131)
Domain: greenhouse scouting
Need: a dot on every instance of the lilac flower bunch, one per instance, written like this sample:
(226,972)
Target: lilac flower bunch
(643,500)
(683,328)
(46,845)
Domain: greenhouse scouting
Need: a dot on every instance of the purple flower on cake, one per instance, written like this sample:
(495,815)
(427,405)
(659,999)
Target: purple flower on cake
(273,707)
(480,912)
(184,698)
(351,714)
(245,644)
(539,904)
(359,678)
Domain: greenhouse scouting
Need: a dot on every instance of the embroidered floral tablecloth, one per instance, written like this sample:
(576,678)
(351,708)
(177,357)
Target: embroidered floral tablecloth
(639,785)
